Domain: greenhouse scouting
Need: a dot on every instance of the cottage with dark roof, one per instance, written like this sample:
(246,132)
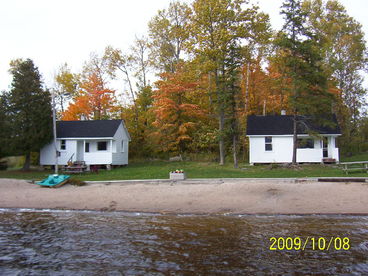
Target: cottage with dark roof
(102,142)
(271,140)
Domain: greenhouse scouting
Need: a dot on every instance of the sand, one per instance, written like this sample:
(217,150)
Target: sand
(217,196)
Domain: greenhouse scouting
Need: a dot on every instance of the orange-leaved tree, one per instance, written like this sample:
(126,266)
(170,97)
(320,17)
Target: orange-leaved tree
(264,91)
(176,111)
(93,101)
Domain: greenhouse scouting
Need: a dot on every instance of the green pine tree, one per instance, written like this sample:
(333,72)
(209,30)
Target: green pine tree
(30,112)
(302,58)
(4,126)
(345,54)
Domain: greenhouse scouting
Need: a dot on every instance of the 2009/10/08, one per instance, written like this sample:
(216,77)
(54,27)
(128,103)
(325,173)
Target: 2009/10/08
(320,243)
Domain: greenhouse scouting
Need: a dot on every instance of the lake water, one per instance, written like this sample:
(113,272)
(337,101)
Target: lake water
(97,243)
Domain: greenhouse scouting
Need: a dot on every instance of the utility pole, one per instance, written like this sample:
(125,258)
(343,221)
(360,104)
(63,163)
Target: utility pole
(54,126)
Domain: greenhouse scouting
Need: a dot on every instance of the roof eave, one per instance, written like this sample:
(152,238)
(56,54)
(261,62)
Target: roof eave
(85,138)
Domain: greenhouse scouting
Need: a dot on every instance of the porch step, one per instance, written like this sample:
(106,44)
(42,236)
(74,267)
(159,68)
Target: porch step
(329,160)
(76,167)
(79,163)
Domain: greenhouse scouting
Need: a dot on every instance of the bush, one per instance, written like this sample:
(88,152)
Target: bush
(274,166)
(35,158)
(15,161)
(76,182)
(3,165)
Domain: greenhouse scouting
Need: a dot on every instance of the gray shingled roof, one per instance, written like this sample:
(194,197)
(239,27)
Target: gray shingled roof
(87,129)
(283,125)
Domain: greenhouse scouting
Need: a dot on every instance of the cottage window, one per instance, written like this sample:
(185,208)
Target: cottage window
(63,145)
(86,147)
(122,146)
(305,144)
(268,143)
(101,145)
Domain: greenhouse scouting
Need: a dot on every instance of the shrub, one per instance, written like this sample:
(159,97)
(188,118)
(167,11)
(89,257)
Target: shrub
(76,182)
(3,165)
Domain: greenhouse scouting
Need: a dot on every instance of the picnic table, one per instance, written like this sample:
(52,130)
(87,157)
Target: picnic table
(354,166)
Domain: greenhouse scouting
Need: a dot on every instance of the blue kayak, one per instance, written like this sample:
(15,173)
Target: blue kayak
(54,180)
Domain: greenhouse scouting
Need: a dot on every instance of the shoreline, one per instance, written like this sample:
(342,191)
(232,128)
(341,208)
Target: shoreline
(138,213)
(194,196)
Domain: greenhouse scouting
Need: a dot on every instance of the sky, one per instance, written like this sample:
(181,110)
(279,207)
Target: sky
(58,31)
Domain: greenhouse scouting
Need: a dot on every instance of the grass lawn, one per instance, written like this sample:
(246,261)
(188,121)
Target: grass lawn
(358,157)
(160,170)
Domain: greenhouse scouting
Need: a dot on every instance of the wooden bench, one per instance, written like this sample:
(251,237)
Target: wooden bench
(354,166)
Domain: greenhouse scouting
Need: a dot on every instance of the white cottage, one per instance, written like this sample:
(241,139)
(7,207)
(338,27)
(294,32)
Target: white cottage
(102,142)
(271,140)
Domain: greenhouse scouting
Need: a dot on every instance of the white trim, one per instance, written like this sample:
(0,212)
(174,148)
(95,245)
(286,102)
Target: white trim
(122,146)
(291,135)
(126,130)
(286,135)
(87,138)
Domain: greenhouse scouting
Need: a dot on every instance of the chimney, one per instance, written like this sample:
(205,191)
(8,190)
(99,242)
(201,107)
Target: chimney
(283,112)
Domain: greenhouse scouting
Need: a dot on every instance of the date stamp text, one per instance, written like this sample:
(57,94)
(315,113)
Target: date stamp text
(310,243)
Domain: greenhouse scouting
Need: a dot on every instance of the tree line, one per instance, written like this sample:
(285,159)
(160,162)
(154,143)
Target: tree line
(216,62)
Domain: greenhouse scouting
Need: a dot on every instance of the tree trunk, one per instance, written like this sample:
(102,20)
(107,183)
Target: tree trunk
(62,104)
(27,162)
(235,125)
(295,93)
(246,91)
(221,114)
(136,117)
(295,139)
(235,145)
(221,140)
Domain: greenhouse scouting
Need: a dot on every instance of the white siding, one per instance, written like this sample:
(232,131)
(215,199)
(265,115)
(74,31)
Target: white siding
(120,155)
(309,155)
(333,152)
(282,150)
(98,157)
(114,154)
(65,155)
(47,154)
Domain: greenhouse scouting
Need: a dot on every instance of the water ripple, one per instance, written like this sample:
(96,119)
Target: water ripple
(46,242)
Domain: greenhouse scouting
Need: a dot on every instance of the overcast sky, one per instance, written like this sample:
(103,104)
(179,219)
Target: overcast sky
(53,32)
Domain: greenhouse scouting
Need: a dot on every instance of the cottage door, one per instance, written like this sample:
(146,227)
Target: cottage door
(80,151)
(325,147)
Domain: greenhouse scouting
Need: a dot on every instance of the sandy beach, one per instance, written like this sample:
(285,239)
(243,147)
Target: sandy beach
(201,196)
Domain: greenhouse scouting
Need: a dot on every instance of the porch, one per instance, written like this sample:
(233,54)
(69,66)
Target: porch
(92,152)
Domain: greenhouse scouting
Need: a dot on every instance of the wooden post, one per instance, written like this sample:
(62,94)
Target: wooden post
(54,128)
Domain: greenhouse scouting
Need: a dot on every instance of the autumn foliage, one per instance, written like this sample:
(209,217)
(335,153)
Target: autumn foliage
(217,63)
(93,102)
(177,116)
